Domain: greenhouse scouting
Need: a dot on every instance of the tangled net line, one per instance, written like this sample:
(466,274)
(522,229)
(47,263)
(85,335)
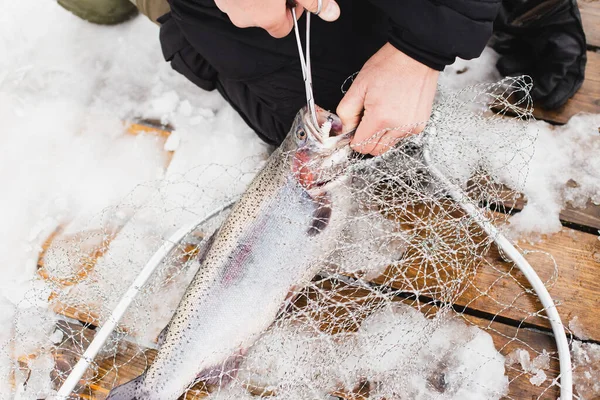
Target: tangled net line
(406,305)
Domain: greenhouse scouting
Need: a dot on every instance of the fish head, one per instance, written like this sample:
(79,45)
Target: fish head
(318,152)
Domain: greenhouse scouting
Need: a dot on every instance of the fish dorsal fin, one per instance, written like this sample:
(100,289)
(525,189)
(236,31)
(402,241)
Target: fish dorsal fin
(205,248)
(162,336)
(202,252)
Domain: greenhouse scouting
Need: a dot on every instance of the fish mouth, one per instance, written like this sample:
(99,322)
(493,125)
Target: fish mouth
(330,148)
(329,130)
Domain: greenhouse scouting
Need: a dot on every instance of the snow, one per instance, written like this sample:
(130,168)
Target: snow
(563,169)
(66,89)
(586,369)
(457,361)
(468,72)
(577,328)
(535,368)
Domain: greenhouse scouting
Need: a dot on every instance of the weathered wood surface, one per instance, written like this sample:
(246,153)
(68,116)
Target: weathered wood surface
(574,285)
(590,14)
(131,360)
(586,219)
(587,99)
(492,286)
(161,134)
(89,245)
(137,128)
(497,287)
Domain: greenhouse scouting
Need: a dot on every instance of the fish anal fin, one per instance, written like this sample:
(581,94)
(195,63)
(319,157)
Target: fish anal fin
(127,391)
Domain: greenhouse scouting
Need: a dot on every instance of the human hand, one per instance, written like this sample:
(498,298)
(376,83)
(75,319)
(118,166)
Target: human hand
(273,15)
(390,98)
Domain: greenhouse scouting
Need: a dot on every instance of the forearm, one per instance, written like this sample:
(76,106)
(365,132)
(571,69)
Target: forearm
(436,32)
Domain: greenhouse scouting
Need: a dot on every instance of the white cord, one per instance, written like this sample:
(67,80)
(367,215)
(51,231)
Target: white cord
(562,344)
(111,323)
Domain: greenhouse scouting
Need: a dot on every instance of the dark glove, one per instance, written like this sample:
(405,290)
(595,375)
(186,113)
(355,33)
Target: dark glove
(543,39)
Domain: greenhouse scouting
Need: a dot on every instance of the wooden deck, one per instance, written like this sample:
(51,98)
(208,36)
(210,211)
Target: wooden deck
(495,300)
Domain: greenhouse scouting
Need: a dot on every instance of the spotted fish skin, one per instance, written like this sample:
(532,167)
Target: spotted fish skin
(286,221)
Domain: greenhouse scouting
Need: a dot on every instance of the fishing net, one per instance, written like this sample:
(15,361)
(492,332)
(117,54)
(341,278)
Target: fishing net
(413,301)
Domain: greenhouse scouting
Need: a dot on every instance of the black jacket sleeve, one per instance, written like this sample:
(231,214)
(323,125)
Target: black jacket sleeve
(435,32)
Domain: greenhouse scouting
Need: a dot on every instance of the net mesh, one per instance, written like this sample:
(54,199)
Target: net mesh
(413,301)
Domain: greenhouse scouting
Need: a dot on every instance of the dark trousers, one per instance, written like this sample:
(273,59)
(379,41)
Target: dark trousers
(260,76)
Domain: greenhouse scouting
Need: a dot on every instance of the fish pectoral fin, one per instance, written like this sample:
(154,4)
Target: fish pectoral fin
(127,391)
(321,215)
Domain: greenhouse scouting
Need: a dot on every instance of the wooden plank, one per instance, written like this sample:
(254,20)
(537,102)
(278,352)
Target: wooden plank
(508,339)
(147,128)
(89,246)
(131,359)
(141,128)
(489,284)
(586,218)
(499,288)
(587,99)
(590,15)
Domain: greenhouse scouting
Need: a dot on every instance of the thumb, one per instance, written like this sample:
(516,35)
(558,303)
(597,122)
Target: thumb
(351,108)
(330,10)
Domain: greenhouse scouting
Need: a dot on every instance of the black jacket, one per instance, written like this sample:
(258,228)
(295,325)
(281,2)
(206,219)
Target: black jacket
(435,32)
(260,76)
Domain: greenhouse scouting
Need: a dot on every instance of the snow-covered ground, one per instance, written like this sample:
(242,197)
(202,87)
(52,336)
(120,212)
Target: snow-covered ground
(66,87)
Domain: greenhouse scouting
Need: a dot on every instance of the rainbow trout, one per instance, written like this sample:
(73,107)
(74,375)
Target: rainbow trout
(287,220)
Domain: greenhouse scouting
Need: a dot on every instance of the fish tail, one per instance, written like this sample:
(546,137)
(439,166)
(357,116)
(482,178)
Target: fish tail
(127,391)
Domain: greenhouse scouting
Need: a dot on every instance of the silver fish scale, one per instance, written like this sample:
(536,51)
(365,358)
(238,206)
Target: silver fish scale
(258,255)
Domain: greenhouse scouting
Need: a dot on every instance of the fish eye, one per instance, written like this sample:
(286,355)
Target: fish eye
(301,134)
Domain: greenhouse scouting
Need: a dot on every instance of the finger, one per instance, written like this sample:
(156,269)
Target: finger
(299,11)
(281,25)
(387,142)
(367,135)
(392,136)
(417,128)
(330,10)
(350,109)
